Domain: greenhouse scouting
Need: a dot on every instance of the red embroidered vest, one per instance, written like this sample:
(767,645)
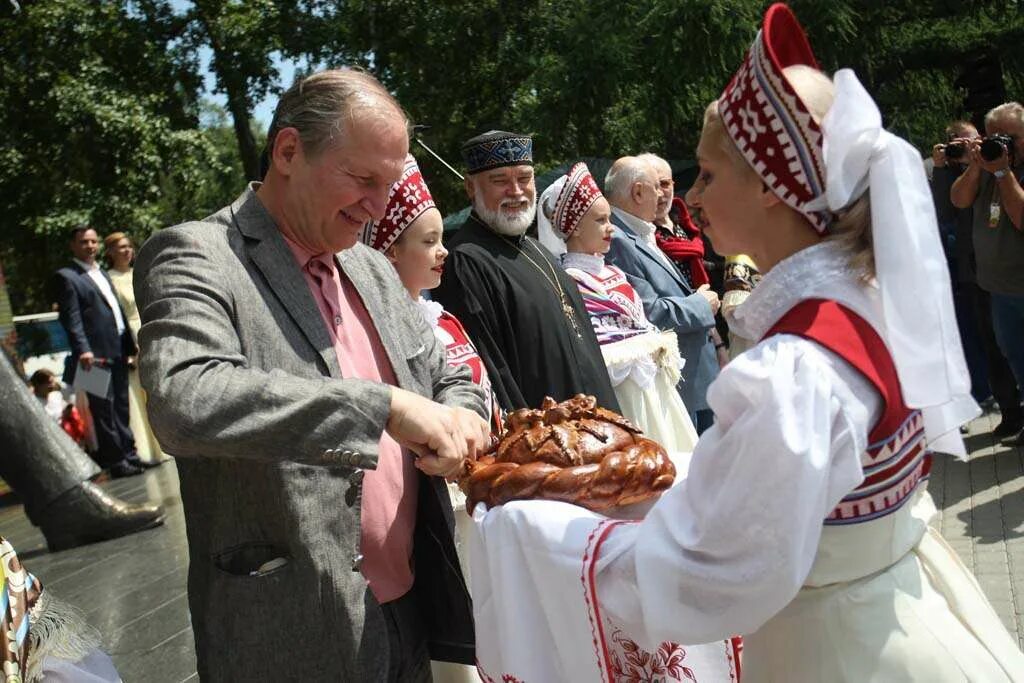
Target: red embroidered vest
(459,350)
(896,460)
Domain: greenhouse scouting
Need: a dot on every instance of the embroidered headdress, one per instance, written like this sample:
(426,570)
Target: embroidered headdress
(496,149)
(566,201)
(408,199)
(767,120)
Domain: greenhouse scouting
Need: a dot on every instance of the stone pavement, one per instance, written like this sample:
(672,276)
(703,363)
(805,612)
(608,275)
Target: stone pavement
(133,588)
(981,514)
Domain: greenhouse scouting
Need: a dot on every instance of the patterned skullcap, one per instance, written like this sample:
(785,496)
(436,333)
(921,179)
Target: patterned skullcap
(577,195)
(496,149)
(769,123)
(408,199)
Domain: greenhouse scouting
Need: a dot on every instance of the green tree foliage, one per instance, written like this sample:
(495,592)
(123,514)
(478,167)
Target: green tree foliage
(103,119)
(100,123)
(600,78)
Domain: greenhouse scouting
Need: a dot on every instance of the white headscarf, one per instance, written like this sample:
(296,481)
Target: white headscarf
(545,230)
(913,278)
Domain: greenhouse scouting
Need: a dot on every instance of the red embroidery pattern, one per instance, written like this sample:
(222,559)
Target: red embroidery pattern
(630,664)
(597,535)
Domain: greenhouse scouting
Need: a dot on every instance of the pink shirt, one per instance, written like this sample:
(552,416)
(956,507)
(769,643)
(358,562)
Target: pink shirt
(389,492)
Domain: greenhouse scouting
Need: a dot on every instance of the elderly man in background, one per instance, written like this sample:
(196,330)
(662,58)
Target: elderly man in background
(680,239)
(670,303)
(522,311)
(301,390)
(991,186)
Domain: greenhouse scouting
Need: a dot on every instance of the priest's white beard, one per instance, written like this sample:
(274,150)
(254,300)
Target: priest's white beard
(503,222)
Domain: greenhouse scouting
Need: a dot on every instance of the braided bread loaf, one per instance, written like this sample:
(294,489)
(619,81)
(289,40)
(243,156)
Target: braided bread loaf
(572,451)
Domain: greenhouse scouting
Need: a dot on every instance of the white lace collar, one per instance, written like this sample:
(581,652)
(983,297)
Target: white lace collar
(588,263)
(821,271)
(431,311)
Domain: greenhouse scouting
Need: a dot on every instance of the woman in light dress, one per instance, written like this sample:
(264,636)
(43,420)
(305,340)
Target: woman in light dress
(120,254)
(803,522)
(574,220)
(410,236)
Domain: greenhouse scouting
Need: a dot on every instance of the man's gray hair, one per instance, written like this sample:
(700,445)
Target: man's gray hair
(655,161)
(1005,111)
(318,105)
(623,174)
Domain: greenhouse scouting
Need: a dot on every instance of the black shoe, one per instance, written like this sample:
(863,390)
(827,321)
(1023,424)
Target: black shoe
(1014,440)
(142,464)
(86,514)
(1007,428)
(124,469)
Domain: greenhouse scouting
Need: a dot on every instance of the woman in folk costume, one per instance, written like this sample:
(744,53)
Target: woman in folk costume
(643,363)
(803,520)
(410,236)
(43,638)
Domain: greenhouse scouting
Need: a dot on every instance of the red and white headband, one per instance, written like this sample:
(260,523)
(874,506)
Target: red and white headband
(767,120)
(408,199)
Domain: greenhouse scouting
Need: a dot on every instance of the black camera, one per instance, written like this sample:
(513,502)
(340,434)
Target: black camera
(955,151)
(992,147)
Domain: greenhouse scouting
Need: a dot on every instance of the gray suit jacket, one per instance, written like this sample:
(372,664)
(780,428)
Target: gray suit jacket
(244,388)
(671,305)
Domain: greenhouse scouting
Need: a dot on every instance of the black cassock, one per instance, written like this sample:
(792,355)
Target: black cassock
(514,317)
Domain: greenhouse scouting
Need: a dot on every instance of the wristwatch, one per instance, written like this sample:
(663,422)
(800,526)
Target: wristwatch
(999,174)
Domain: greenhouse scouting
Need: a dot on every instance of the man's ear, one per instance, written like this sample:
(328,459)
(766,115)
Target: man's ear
(286,150)
(467,183)
(636,192)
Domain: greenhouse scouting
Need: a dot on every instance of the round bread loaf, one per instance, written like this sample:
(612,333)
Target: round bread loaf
(573,451)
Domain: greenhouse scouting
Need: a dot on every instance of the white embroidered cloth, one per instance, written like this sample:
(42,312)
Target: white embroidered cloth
(537,617)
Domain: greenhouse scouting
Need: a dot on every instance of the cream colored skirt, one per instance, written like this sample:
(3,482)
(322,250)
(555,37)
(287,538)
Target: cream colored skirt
(145,442)
(645,371)
(923,619)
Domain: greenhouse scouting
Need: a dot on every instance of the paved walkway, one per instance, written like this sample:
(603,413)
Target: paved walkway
(133,588)
(981,514)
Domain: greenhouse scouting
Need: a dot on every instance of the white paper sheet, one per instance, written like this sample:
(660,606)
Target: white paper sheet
(95,381)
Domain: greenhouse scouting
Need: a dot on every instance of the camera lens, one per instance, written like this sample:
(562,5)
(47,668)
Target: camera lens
(993,146)
(956,150)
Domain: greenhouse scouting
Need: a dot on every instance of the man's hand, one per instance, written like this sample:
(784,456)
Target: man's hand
(86,360)
(939,155)
(711,296)
(442,437)
(474,430)
(1000,164)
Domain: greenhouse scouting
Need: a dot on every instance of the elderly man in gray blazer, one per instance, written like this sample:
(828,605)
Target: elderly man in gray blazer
(308,404)
(631,187)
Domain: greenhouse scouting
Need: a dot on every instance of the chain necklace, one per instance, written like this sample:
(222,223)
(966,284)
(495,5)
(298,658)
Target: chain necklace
(567,310)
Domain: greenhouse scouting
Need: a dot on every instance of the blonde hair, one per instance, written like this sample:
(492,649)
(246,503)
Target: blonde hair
(850,226)
(111,240)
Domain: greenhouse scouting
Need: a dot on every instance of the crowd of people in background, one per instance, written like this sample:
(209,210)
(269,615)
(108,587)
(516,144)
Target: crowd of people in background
(979,203)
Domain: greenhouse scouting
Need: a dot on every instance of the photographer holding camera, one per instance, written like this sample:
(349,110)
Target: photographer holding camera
(991,186)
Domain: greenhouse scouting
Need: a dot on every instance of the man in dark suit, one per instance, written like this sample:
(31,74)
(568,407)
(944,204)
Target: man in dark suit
(631,187)
(99,336)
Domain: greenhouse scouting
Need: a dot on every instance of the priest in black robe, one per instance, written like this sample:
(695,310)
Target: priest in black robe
(523,312)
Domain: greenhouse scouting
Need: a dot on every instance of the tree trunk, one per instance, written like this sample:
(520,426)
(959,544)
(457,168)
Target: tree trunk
(233,83)
(238,105)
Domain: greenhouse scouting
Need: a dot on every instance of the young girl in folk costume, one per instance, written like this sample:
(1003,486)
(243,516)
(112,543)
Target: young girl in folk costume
(803,521)
(643,363)
(410,236)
